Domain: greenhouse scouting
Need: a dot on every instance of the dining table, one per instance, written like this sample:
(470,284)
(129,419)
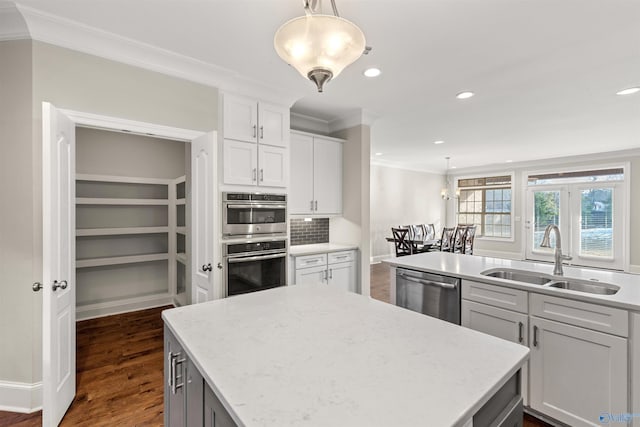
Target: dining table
(415,243)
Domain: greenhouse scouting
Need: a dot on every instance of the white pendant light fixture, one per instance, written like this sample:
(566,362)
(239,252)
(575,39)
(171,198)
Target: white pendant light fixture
(319,46)
(444,193)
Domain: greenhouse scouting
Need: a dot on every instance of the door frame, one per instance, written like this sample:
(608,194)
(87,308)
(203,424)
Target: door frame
(97,121)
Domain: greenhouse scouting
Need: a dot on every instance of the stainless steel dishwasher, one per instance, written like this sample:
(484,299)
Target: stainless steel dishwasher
(430,294)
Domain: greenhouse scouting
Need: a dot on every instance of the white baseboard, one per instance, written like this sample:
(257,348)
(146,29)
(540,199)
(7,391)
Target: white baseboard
(376,259)
(20,397)
(91,311)
(635,269)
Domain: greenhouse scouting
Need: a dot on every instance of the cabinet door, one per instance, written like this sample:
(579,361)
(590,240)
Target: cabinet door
(273,166)
(343,276)
(505,324)
(240,118)
(313,275)
(577,375)
(273,122)
(240,162)
(301,183)
(174,394)
(327,176)
(194,391)
(215,415)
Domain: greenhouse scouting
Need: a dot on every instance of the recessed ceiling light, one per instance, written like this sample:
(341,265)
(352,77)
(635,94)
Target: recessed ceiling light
(453,167)
(628,91)
(378,154)
(465,95)
(438,142)
(372,72)
(508,161)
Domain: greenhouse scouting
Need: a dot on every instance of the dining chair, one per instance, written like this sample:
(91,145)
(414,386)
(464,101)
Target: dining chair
(446,240)
(401,242)
(430,231)
(458,239)
(469,237)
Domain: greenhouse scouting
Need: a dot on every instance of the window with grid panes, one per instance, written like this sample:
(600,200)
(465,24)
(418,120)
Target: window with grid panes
(486,203)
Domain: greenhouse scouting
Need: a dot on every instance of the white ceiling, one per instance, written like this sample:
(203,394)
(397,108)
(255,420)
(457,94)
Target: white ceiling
(545,72)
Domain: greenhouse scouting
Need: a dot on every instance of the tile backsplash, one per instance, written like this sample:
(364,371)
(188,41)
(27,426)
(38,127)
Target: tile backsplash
(309,232)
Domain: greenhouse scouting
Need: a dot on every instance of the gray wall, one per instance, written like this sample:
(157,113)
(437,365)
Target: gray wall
(354,225)
(402,197)
(19,306)
(33,72)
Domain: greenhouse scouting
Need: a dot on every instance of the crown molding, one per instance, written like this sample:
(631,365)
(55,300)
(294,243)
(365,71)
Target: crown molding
(393,165)
(76,36)
(12,25)
(308,123)
(357,118)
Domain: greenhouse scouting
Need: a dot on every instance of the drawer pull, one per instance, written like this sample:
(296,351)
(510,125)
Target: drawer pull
(535,336)
(520,332)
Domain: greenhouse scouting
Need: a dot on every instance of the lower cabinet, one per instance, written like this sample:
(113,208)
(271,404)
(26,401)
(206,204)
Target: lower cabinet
(578,366)
(577,375)
(214,413)
(188,399)
(338,269)
(505,324)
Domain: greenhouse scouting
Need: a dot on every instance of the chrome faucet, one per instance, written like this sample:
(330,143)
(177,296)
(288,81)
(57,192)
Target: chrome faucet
(557,268)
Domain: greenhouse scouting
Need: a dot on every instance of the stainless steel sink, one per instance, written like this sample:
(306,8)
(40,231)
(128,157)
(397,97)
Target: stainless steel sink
(549,281)
(518,275)
(587,287)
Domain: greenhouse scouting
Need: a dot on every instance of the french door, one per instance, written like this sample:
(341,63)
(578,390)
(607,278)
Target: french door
(590,218)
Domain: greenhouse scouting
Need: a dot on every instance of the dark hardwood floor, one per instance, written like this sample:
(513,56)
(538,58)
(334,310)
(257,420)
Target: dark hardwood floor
(118,372)
(119,369)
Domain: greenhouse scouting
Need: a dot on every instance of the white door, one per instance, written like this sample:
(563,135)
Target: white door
(58,265)
(240,162)
(343,276)
(505,324)
(312,275)
(301,182)
(203,217)
(546,205)
(577,375)
(327,176)
(240,118)
(274,125)
(273,166)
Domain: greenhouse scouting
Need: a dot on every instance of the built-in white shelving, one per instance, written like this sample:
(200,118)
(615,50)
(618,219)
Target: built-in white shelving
(127,238)
(120,231)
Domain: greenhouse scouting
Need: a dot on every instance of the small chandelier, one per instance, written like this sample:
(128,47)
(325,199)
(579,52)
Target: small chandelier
(319,46)
(444,193)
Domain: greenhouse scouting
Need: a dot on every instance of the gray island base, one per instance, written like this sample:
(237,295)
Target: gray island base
(314,356)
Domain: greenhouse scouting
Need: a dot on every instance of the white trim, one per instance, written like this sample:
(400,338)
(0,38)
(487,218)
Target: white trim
(92,311)
(498,254)
(130,126)
(20,397)
(379,258)
(392,165)
(123,179)
(74,35)
(308,123)
(357,118)
(12,25)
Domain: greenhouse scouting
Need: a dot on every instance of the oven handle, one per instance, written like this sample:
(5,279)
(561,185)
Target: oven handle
(261,206)
(255,258)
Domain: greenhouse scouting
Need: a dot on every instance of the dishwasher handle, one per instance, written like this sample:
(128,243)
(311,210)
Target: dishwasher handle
(429,282)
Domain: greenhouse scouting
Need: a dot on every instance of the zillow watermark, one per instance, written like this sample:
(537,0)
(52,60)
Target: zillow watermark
(625,417)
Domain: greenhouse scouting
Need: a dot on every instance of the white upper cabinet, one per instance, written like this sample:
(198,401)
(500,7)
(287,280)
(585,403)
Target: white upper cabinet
(256,140)
(273,125)
(250,120)
(316,175)
(240,116)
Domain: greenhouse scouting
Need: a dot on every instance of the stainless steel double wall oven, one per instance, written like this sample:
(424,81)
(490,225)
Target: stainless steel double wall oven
(255,249)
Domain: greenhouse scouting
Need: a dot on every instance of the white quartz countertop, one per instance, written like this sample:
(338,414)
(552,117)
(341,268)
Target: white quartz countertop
(319,248)
(310,355)
(470,267)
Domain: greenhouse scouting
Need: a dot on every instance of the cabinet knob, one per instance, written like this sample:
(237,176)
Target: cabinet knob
(36,286)
(219,266)
(59,285)
(207,267)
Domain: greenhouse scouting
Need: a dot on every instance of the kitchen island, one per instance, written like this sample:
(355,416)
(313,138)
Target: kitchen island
(314,356)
